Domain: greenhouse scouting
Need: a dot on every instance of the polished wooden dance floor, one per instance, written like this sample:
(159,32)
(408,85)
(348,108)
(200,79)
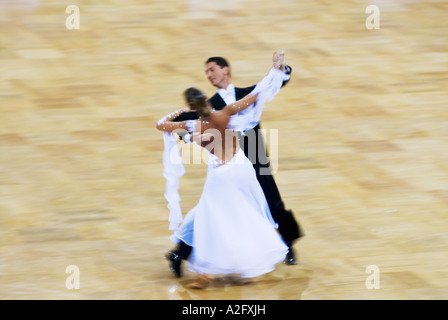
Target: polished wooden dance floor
(362,143)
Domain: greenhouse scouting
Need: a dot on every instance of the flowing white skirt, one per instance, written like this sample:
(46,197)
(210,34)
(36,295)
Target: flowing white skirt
(231,228)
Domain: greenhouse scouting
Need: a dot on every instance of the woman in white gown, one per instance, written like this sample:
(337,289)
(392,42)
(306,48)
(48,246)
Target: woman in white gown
(231,228)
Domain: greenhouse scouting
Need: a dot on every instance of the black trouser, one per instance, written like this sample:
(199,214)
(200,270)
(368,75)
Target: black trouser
(254,148)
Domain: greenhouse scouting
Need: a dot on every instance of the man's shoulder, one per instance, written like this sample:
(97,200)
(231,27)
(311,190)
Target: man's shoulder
(246,89)
(217,102)
(241,92)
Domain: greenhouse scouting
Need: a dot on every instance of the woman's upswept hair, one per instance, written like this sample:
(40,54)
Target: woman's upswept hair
(197,101)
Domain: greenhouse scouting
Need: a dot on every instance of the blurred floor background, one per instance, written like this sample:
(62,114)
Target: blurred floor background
(362,143)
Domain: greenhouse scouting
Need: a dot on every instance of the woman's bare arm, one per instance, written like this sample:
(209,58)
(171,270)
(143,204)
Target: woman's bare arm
(166,123)
(170,126)
(240,105)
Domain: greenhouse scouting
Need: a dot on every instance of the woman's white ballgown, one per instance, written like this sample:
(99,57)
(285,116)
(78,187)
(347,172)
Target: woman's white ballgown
(231,228)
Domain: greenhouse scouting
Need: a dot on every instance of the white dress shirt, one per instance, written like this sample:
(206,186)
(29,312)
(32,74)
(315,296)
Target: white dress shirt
(228,95)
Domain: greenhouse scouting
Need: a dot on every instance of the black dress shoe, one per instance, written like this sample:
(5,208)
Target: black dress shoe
(175,262)
(290,257)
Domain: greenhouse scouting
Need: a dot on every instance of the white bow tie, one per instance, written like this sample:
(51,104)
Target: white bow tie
(230,91)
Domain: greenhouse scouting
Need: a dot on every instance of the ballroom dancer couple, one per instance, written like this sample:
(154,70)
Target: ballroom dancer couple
(233,227)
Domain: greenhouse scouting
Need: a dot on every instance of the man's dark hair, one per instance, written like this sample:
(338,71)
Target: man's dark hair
(220,61)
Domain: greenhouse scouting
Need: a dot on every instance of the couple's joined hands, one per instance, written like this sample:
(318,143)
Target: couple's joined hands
(279,61)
